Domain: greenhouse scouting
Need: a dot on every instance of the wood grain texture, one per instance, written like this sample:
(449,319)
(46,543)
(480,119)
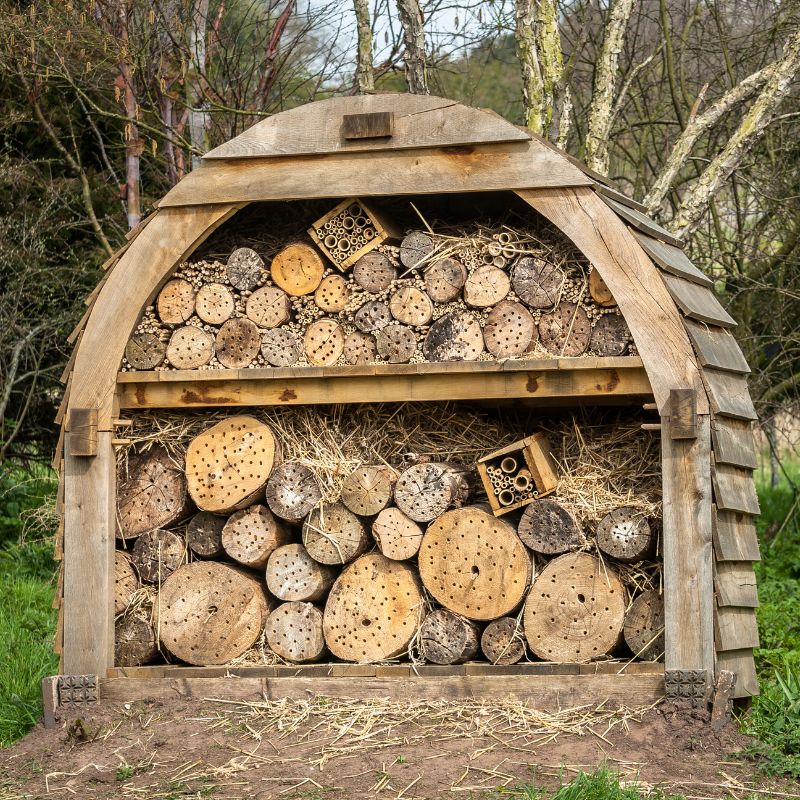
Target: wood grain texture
(672,260)
(734,489)
(735,628)
(698,302)
(734,442)
(641,221)
(735,537)
(743,664)
(82,426)
(716,347)
(648,309)
(728,395)
(735,584)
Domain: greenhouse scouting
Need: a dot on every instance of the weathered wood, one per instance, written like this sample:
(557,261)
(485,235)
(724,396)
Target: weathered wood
(600,293)
(371,125)
(625,534)
(728,395)
(297,269)
(334,535)
(396,344)
(734,489)
(482,583)
(447,638)
(135,642)
(360,348)
(126,581)
(398,537)
(292,575)
(175,302)
(537,282)
(641,222)
(610,336)
(735,584)
(444,279)
(672,260)
(332,294)
(735,628)
(367,490)
(425,491)
(251,535)
(716,347)
(456,336)
(268,307)
(292,491)
(372,316)
(644,626)
(280,347)
(145,351)
(734,442)
(323,342)
(204,534)
(509,330)
(411,306)
(503,642)
(190,347)
(82,426)
(683,413)
(575,609)
(548,528)
(374,273)
(735,537)
(237,343)
(294,632)
(245,269)
(566,330)
(698,302)
(486,286)
(415,248)
(605,189)
(721,711)
(214,303)
(157,554)
(742,664)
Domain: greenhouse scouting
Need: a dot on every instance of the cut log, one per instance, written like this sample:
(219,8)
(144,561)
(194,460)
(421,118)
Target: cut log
(280,348)
(374,272)
(411,306)
(415,248)
(214,303)
(190,347)
(610,336)
(549,528)
(360,348)
(537,283)
(625,534)
(126,581)
(292,491)
(644,626)
(333,534)
(237,343)
(294,632)
(397,344)
(503,642)
(268,307)
(151,494)
(324,342)
(157,554)
(227,466)
(565,331)
(575,610)
(373,610)
(444,280)
(332,294)
(398,537)
(134,642)
(204,534)
(251,535)
(211,612)
(474,564)
(509,330)
(425,491)
(372,316)
(600,293)
(368,490)
(245,269)
(175,303)
(456,336)
(145,351)
(486,286)
(293,575)
(297,269)
(447,638)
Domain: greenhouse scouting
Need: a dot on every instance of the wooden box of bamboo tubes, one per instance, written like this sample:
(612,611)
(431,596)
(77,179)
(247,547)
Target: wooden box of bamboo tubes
(518,474)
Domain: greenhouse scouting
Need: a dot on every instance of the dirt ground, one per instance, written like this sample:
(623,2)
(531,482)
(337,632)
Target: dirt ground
(326,749)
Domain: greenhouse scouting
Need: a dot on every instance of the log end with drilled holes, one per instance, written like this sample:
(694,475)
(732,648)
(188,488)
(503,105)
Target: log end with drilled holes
(503,641)
(297,269)
(397,535)
(333,534)
(549,528)
(292,575)
(190,347)
(214,303)
(126,581)
(268,307)
(425,491)
(625,534)
(157,554)
(292,491)
(294,632)
(251,535)
(447,638)
(175,303)
(204,534)
(237,343)
(367,490)
(457,336)
(644,626)
(245,269)
(135,642)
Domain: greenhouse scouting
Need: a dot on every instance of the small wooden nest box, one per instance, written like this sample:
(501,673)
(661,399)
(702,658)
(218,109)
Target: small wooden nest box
(686,366)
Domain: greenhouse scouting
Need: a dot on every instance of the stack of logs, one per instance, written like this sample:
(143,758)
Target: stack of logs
(406,561)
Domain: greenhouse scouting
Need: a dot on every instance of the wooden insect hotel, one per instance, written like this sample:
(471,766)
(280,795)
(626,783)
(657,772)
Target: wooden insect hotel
(390,388)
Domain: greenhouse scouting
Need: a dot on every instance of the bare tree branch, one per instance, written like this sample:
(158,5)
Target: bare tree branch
(414,40)
(365,74)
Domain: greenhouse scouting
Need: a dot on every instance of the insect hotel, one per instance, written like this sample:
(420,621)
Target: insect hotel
(389,388)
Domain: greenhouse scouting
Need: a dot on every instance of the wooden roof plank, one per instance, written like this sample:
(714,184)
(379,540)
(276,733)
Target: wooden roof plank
(672,259)
(735,584)
(734,489)
(734,442)
(698,302)
(743,664)
(614,194)
(728,395)
(735,628)
(716,347)
(642,222)
(735,537)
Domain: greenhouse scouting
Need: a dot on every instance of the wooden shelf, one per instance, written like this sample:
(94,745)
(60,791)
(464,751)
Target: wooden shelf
(542,381)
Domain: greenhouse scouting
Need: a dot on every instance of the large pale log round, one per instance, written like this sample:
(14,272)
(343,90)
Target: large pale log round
(600,293)
(502,641)
(134,642)
(204,534)
(175,303)
(415,248)
(549,528)
(297,269)
(372,316)
(251,535)
(294,632)
(245,269)
(486,286)
(190,347)
(145,351)
(444,280)
(474,564)
(374,272)
(425,491)
(644,626)
(268,307)
(157,554)
(397,344)
(332,294)
(324,342)
(292,491)
(214,303)
(368,490)
(333,534)
(411,306)
(610,336)
(228,465)
(373,610)
(398,537)
(575,609)
(211,612)
(565,331)
(456,336)
(280,348)
(447,638)
(152,492)
(126,581)
(537,283)
(293,575)
(625,534)
(237,344)
(509,330)
(360,348)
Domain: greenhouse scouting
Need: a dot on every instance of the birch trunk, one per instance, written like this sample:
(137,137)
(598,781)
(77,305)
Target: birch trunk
(133,148)
(198,117)
(528,55)
(414,40)
(365,75)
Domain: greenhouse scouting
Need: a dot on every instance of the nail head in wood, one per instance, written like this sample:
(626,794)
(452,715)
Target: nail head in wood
(376,125)
(83,432)
(683,413)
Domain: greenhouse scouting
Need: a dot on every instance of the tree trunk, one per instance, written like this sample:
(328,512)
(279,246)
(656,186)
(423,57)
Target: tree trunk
(334,535)
(414,58)
(447,638)
(292,491)
(133,145)
(398,537)
(294,632)
(547,527)
(365,76)
(425,491)
(502,641)
(529,61)
(251,535)
(625,534)
(157,554)
(198,116)
(292,575)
